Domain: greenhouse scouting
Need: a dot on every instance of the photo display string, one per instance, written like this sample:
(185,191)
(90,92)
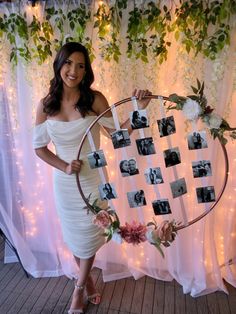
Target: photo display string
(204,193)
(174,168)
(100,169)
(125,157)
(148,157)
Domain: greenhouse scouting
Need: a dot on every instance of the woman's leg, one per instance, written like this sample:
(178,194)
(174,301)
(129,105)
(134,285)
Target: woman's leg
(85,266)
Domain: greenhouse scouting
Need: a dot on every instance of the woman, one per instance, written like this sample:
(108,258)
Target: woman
(62,117)
(136,120)
(200,141)
(172,159)
(97,159)
(139,198)
(108,192)
(124,168)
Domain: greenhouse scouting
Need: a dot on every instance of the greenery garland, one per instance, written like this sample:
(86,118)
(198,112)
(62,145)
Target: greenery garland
(201,26)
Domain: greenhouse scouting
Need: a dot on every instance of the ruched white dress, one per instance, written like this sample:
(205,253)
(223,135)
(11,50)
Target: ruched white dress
(81,236)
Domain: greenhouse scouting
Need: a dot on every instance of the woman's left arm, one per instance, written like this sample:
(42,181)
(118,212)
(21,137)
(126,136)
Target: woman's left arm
(101,104)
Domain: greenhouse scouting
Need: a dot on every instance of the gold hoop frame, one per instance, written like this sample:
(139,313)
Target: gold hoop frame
(179,227)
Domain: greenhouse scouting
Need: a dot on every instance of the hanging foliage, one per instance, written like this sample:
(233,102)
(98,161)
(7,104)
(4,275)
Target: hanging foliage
(200,26)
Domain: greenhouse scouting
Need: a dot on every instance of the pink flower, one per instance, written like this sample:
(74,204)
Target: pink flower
(134,233)
(102,219)
(164,231)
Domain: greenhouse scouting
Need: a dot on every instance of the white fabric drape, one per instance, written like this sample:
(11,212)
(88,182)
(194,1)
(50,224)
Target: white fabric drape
(203,254)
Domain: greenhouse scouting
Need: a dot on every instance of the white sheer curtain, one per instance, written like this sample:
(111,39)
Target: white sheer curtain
(202,254)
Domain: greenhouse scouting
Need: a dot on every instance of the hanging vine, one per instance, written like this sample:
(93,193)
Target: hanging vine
(108,21)
(200,26)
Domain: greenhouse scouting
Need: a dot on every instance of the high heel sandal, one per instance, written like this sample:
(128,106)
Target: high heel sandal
(94,298)
(81,310)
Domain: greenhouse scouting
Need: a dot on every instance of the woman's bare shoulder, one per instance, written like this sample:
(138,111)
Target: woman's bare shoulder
(100,104)
(41,116)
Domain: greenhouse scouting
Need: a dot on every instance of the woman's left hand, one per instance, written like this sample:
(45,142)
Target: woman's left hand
(140,94)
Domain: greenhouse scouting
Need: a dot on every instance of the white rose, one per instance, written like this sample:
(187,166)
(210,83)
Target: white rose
(191,109)
(213,121)
(151,235)
(116,237)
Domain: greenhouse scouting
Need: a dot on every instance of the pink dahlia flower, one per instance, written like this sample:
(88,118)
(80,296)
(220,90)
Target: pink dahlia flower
(134,233)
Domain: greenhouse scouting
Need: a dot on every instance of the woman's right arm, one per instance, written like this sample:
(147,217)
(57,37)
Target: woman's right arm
(47,155)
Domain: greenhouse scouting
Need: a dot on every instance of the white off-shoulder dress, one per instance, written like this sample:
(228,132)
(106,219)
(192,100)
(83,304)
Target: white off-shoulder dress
(81,236)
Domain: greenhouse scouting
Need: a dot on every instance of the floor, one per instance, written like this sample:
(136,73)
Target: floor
(19,294)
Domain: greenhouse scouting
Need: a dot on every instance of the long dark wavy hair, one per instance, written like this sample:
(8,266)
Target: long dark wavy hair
(52,102)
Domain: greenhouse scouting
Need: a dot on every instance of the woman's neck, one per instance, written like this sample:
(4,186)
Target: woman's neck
(70,94)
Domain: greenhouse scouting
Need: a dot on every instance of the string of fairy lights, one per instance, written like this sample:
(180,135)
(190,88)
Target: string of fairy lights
(34,209)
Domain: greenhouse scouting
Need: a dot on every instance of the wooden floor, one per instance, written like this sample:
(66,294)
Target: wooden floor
(19,294)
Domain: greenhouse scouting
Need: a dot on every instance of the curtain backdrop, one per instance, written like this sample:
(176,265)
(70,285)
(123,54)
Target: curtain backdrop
(202,254)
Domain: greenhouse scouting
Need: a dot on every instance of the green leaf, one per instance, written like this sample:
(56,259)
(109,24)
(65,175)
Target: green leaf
(195,90)
(160,250)
(198,84)
(193,97)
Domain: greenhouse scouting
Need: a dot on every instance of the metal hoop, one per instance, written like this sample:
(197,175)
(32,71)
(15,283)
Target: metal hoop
(164,98)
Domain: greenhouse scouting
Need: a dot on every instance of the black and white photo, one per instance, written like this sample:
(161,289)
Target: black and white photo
(145,146)
(153,175)
(172,157)
(178,187)
(201,168)
(97,159)
(107,191)
(161,207)
(138,119)
(205,194)
(166,126)
(120,138)
(128,167)
(197,140)
(136,198)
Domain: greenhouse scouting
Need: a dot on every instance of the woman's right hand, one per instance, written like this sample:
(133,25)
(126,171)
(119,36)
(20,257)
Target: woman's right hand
(73,167)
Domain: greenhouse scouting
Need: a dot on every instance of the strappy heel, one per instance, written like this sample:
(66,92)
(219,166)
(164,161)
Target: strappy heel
(81,310)
(94,298)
